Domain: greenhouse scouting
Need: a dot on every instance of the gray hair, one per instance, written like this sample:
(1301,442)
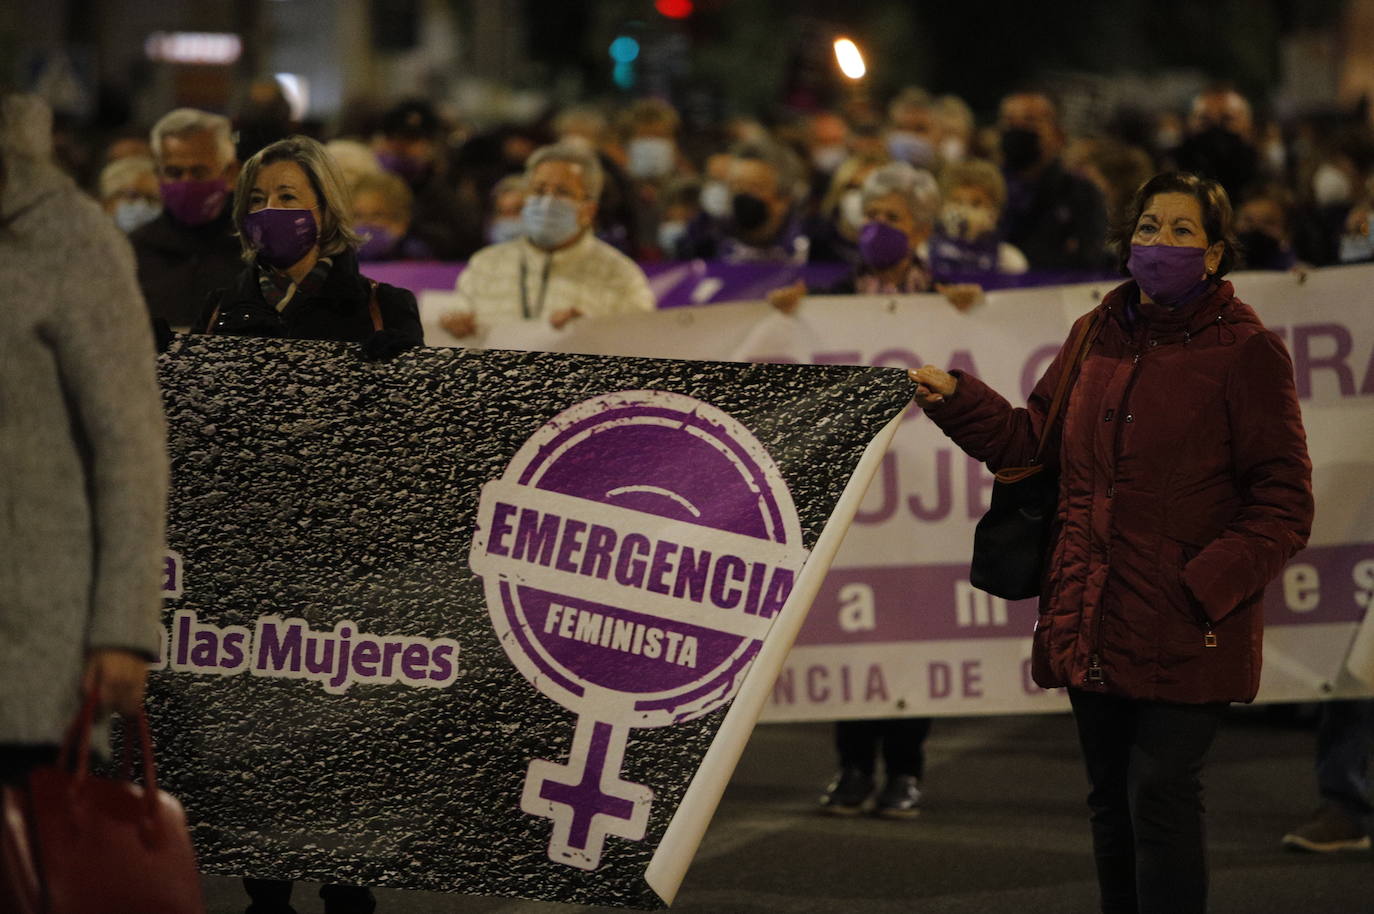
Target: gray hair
(183,122)
(572,154)
(915,185)
(789,169)
(336,206)
(510,184)
(122,173)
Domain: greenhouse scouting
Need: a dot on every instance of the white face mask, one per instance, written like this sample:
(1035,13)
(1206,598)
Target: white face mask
(715,199)
(828,158)
(650,157)
(669,234)
(549,222)
(505,228)
(1330,185)
(852,208)
(134,214)
(952,149)
(910,147)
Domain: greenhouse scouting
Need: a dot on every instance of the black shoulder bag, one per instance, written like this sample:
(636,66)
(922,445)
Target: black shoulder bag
(1013,538)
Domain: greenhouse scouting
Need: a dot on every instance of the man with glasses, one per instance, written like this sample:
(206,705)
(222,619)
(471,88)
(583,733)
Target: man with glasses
(558,270)
(189,250)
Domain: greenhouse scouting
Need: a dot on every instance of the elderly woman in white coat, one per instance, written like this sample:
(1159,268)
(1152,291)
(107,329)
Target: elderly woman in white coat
(83,465)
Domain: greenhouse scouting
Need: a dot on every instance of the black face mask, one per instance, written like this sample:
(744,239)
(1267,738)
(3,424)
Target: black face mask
(1220,154)
(750,212)
(1020,148)
(1261,251)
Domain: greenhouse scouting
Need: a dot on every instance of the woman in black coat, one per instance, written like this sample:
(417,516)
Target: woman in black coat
(292,215)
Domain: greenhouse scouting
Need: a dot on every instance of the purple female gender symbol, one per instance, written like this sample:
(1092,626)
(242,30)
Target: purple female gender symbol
(634,554)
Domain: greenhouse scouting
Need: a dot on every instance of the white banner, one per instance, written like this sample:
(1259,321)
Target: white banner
(896,629)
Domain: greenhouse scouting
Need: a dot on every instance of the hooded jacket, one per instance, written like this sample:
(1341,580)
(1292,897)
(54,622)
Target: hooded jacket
(1184,488)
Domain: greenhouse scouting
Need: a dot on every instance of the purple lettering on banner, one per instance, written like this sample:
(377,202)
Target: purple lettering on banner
(886,484)
(944,491)
(941,681)
(366,653)
(570,546)
(972,678)
(1334,360)
(936,603)
(414,662)
(278,652)
(536,536)
(500,529)
(962,360)
(978,483)
(644,473)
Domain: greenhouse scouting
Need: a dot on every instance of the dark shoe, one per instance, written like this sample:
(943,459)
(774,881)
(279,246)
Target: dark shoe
(848,793)
(269,896)
(1330,830)
(348,899)
(900,798)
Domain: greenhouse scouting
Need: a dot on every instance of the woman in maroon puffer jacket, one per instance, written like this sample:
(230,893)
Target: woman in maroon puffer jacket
(1184,487)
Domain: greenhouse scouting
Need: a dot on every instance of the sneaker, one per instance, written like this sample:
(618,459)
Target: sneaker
(900,798)
(848,793)
(1328,831)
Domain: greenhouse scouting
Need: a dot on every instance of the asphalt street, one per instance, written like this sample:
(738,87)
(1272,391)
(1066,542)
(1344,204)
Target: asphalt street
(1004,829)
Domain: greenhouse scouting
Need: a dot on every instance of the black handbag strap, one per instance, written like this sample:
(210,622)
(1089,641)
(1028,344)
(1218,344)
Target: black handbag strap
(1079,345)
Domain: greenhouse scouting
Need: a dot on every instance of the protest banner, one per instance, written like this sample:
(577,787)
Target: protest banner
(494,623)
(896,628)
(674,283)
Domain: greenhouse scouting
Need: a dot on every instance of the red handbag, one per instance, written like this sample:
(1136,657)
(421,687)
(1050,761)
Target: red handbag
(73,843)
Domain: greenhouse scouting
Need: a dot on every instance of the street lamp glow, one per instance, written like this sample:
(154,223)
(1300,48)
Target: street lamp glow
(850,60)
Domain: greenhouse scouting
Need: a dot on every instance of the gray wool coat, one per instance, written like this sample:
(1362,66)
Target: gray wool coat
(83,463)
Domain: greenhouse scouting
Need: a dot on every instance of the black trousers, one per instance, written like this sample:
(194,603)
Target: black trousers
(273,896)
(16,760)
(1144,762)
(902,740)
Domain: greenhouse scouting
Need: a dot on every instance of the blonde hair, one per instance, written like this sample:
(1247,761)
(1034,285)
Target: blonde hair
(399,200)
(124,173)
(975,173)
(336,206)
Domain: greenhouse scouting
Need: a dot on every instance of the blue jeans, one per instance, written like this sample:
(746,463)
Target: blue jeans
(1344,737)
(1144,761)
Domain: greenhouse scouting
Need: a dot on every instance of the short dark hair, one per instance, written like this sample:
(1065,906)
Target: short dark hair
(1218,221)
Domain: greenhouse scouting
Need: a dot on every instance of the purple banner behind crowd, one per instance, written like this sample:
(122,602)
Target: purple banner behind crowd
(701,282)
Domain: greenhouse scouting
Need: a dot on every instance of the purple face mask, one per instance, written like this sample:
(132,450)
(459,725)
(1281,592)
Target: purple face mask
(195,202)
(881,245)
(412,171)
(281,236)
(1169,274)
(378,241)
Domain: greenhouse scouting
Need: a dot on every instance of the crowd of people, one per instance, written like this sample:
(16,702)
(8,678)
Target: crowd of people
(253,228)
(1017,201)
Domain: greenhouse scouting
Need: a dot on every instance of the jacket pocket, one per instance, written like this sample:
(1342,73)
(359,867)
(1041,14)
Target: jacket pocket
(1184,619)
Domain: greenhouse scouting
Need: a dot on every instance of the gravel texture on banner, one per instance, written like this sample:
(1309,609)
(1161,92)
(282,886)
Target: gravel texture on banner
(310,484)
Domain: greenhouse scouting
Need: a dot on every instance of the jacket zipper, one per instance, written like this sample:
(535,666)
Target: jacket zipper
(1095,676)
